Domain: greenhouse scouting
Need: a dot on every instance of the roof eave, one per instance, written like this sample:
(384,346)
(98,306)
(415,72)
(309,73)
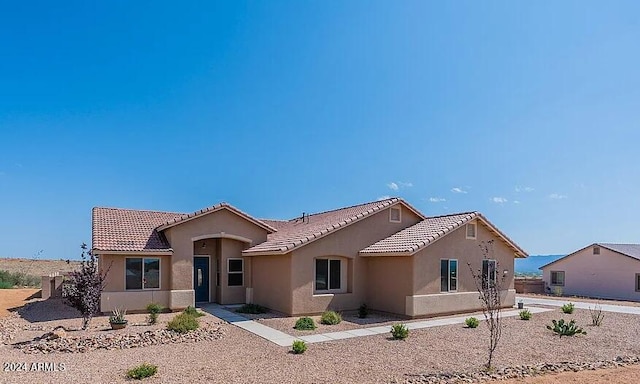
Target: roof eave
(153,252)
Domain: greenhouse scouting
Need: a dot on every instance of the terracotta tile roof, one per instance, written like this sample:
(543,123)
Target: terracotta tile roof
(295,233)
(190,216)
(631,250)
(115,229)
(412,239)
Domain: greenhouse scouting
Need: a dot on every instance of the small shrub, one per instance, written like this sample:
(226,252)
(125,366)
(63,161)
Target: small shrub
(298,347)
(183,323)
(566,329)
(305,324)
(117,316)
(363,311)
(18,279)
(142,371)
(5,285)
(568,308)
(331,318)
(253,309)
(525,314)
(557,291)
(472,322)
(191,311)
(596,315)
(399,331)
(154,309)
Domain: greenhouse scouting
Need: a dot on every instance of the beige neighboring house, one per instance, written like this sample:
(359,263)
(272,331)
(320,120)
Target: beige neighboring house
(601,270)
(384,253)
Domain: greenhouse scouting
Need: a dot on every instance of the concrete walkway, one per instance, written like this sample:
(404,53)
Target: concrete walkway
(579,304)
(286,340)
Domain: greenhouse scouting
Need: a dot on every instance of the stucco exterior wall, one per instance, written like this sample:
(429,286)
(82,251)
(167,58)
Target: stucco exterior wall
(271,281)
(609,275)
(391,281)
(345,243)
(232,249)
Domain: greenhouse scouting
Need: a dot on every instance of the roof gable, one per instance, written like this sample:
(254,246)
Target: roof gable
(419,236)
(295,233)
(214,208)
(629,250)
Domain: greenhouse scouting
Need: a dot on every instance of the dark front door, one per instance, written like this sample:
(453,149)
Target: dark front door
(201,278)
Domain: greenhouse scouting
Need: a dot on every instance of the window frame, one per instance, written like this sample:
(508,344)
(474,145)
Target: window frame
(449,290)
(637,281)
(475,231)
(343,276)
(229,272)
(596,250)
(495,272)
(551,278)
(391,220)
(143,288)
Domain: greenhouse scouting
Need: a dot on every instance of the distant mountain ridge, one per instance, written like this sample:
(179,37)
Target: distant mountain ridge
(531,265)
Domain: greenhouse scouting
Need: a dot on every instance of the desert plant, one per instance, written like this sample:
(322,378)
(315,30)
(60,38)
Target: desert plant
(557,291)
(363,311)
(596,315)
(142,371)
(489,286)
(298,347)
(399,331)
(568,308)
(191,311)
(305,324)
(330,318)
(18,279)
(183,323)
(85,287)
(565,329)
(154,309)
(472,322)
(5,285)
(525,314)
(253,309)
(117,316)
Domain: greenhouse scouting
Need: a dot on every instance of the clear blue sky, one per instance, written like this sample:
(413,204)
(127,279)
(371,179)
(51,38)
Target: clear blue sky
(526,111)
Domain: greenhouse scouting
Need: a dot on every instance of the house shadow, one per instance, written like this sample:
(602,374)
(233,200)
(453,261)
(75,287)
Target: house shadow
(51,309)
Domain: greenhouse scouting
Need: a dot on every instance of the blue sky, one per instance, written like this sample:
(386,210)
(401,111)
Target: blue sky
(526,111)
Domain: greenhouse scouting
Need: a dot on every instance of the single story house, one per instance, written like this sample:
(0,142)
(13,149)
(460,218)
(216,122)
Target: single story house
(601,270)
(385,253)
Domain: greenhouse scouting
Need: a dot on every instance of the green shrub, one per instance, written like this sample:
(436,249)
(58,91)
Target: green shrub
(18,279)
(117,316)
(399,331)
(298,347)
(253,309)
(5,285)
(330,318)
(596,315)
(142,371)
(154,309)
(525,314)
(363,311)
(566,329)
(183,323)
(305,324)
(472,322)
(191,311)
(568,308)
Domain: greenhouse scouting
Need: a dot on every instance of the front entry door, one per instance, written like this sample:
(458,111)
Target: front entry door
(201,278)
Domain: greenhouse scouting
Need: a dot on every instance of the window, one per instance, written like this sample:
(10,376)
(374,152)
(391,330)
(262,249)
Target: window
(328,275)
(489,272)
(637,282)
(596,250)
(395,215)
(471,231)
(448,275)
(236,272)
(557,277)
(142,273)
(217,271)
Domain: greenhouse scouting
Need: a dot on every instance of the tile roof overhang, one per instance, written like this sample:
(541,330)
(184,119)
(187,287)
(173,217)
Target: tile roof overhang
(629,250)
(294,234)
(413,239)
(214,208)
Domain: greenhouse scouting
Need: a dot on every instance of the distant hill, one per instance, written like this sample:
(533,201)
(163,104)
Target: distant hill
(531,265)
(37,267)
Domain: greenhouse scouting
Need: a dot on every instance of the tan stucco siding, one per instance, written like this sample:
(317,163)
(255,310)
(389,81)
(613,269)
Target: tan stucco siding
(271,280)
(391,281)
(608,275)
(345,243)
(232,249)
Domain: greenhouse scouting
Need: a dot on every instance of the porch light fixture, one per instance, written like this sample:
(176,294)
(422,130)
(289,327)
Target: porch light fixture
(204,245)
(505,272)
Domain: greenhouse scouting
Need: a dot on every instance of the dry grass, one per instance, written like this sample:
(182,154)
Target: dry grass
(37,267)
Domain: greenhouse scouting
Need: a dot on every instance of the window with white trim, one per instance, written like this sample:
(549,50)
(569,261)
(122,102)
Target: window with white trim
(471,231)
(448,275)
(235,272)
(395,215)
(142,273)
(329,276)
(557,278)
(489,272)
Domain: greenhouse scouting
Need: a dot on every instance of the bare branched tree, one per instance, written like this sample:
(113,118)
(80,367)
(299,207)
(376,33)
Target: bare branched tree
(489,283)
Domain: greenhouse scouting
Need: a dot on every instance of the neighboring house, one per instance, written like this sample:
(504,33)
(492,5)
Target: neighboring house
(608,271)
(385,254)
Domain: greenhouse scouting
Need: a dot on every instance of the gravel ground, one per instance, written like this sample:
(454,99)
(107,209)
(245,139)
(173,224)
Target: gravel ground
(241,357)
(567,299)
